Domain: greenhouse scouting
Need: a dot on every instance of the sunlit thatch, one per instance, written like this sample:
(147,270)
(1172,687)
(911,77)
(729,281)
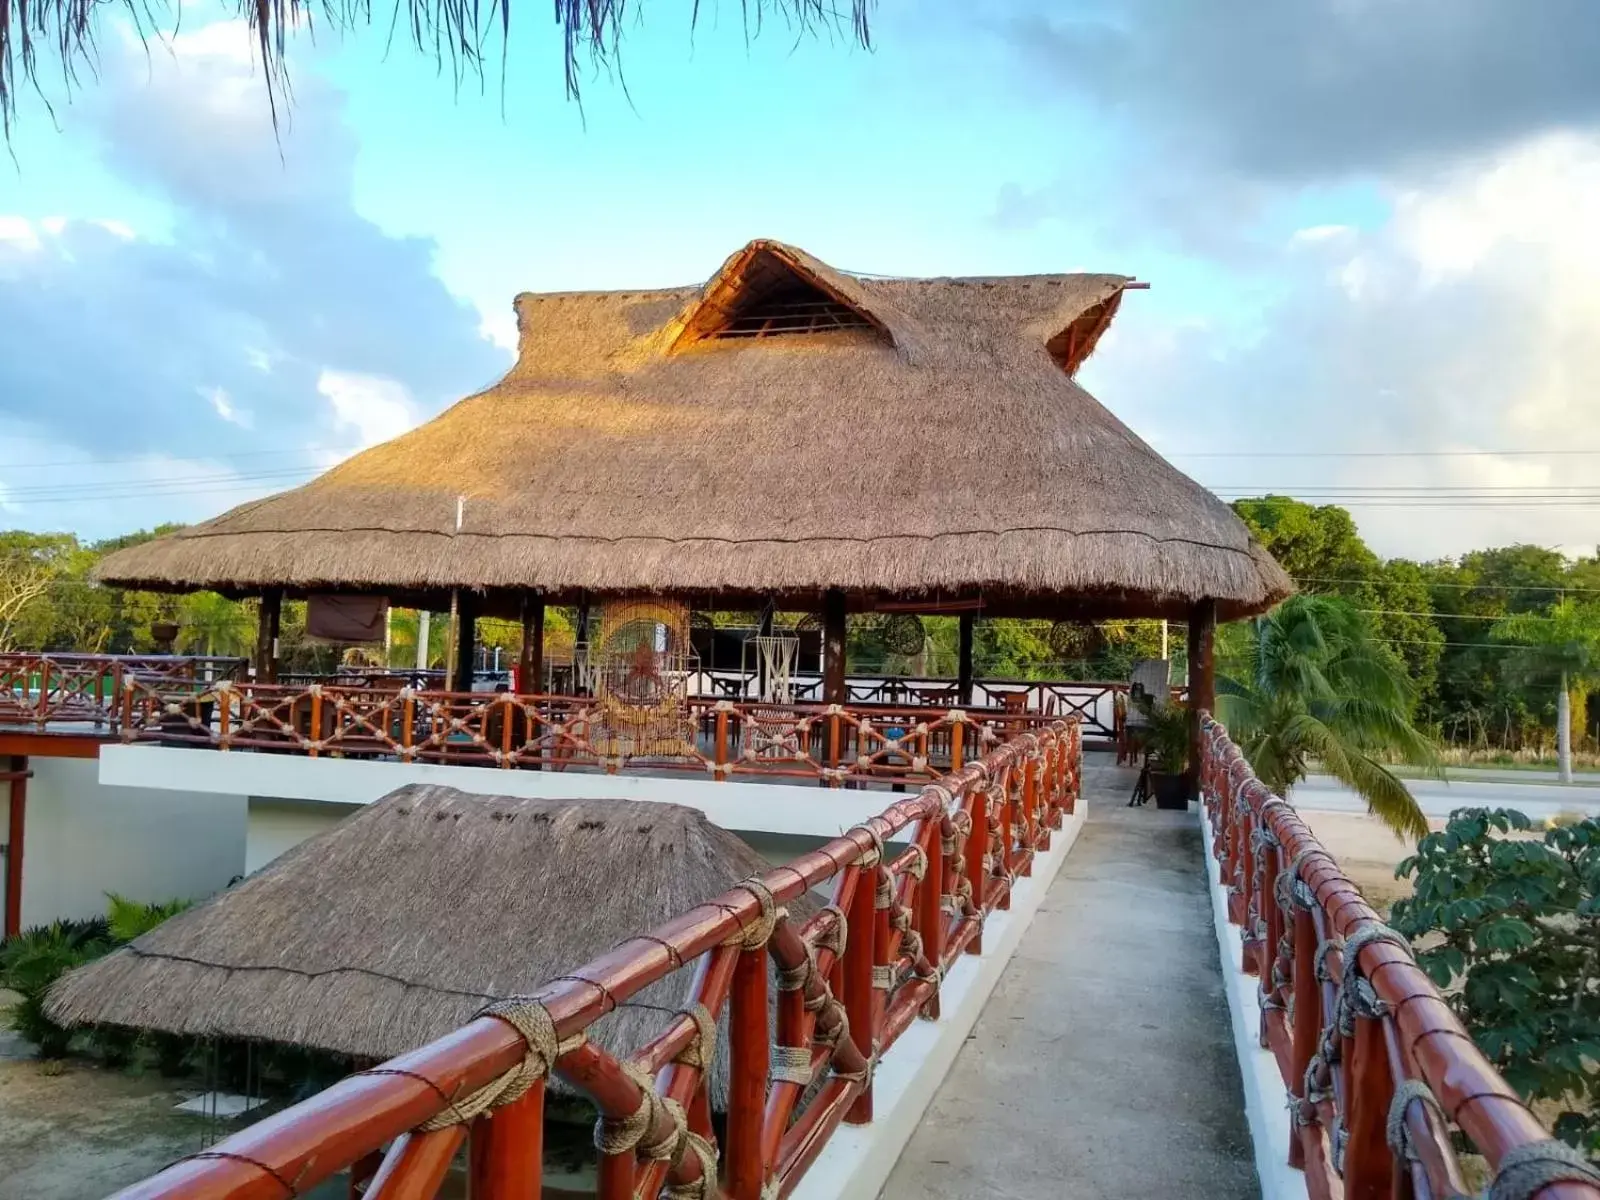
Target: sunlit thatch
(654,442)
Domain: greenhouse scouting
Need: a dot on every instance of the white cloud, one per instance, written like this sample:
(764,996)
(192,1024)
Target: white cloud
(1467,322)
(222,405)
(272,295)
(375,409)
(18,232)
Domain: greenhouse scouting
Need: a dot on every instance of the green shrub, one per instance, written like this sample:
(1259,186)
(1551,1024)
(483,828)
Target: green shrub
(1511,930)
(128,919)
(31,962)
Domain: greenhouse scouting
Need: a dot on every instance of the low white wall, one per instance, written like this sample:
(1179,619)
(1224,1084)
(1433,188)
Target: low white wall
(278,825)
(84,839)
(856,1162)
(1265,1097)
(803,809)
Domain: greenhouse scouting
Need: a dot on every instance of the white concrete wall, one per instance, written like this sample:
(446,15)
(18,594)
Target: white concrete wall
(801,809)
(279,825)
(1265,1097)
(84,839)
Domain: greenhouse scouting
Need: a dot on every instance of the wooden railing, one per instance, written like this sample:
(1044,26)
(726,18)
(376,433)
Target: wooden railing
(1375,1063)
(719,738)
(849,980)
(72,691)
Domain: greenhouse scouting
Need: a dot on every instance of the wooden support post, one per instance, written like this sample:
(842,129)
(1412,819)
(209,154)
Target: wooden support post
(18,775)
(580,646)
(507,1150)
(833,647)
(747,1088)
(1202,674)
(967,620)
(763,630)
(464,635)
(269,622)
(530,662)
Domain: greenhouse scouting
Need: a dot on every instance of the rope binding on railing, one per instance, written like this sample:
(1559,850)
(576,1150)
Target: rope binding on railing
(1524,1170)
(532,1020)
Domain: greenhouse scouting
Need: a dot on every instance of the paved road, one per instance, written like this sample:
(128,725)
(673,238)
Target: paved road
(1537,800)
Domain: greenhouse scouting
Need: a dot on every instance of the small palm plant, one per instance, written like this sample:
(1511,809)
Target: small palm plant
(1312,685)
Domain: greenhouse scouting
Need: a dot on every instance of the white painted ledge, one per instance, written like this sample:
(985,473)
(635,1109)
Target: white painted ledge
(786,808)
(857,1160)
(1265,1099)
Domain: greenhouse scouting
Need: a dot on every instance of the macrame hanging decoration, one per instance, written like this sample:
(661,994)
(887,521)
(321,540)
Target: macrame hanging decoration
(776,656)
(639,664)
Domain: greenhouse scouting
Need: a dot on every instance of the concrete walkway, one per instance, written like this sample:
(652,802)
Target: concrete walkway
(1103,1065)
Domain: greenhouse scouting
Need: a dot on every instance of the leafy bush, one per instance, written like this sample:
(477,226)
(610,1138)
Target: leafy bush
(128,919)
(1510,928)
(32,961)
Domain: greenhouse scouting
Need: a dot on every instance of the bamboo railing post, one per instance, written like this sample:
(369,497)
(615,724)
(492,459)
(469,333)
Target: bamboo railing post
(859,958)
(747,1088)
(957,729)
(1006,820)
(43,705)
(316,720)
(721,749)
(507,1150)
(1368,1162)
(833,749)
(1307,1022)
(930,911)
(977,849)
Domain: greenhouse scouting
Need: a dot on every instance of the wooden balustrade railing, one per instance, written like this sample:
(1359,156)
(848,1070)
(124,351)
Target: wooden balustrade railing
(70,691)
(1376,1065)
(720,738)
(848,981)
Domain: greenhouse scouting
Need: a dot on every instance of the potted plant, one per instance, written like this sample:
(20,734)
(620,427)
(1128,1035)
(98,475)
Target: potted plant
(1166,737)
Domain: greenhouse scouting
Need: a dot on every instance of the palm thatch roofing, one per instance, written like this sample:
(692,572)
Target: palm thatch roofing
(401,922)
(785,429)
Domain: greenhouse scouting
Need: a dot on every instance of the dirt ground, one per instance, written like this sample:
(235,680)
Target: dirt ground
(1367,851)
(84,1132)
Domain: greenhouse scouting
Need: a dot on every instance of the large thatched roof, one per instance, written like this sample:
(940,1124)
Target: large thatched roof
(933,443)
(400,923)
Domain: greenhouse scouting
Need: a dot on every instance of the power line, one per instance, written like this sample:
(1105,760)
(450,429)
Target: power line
(1464,587)
(102,462)
(1378,453)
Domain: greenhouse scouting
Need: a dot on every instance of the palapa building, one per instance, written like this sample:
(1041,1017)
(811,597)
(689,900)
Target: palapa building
(786,435)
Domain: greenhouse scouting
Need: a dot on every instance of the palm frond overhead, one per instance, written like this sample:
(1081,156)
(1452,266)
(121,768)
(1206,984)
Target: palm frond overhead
(461,35)
(1314,687)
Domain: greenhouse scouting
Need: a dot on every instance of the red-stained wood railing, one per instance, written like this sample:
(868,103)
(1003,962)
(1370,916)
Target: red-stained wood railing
(1352,1019)
(720,738)
(850,980)
(75,692)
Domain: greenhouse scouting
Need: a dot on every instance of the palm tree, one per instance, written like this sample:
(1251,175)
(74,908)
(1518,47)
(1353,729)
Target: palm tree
(1560,647)
(1312,684)
(213,624)
(458,34)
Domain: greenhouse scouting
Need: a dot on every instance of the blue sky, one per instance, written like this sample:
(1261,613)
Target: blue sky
(1363,224)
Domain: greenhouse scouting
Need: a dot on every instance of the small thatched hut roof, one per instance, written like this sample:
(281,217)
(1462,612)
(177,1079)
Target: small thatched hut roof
(400,923)
(785,429)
